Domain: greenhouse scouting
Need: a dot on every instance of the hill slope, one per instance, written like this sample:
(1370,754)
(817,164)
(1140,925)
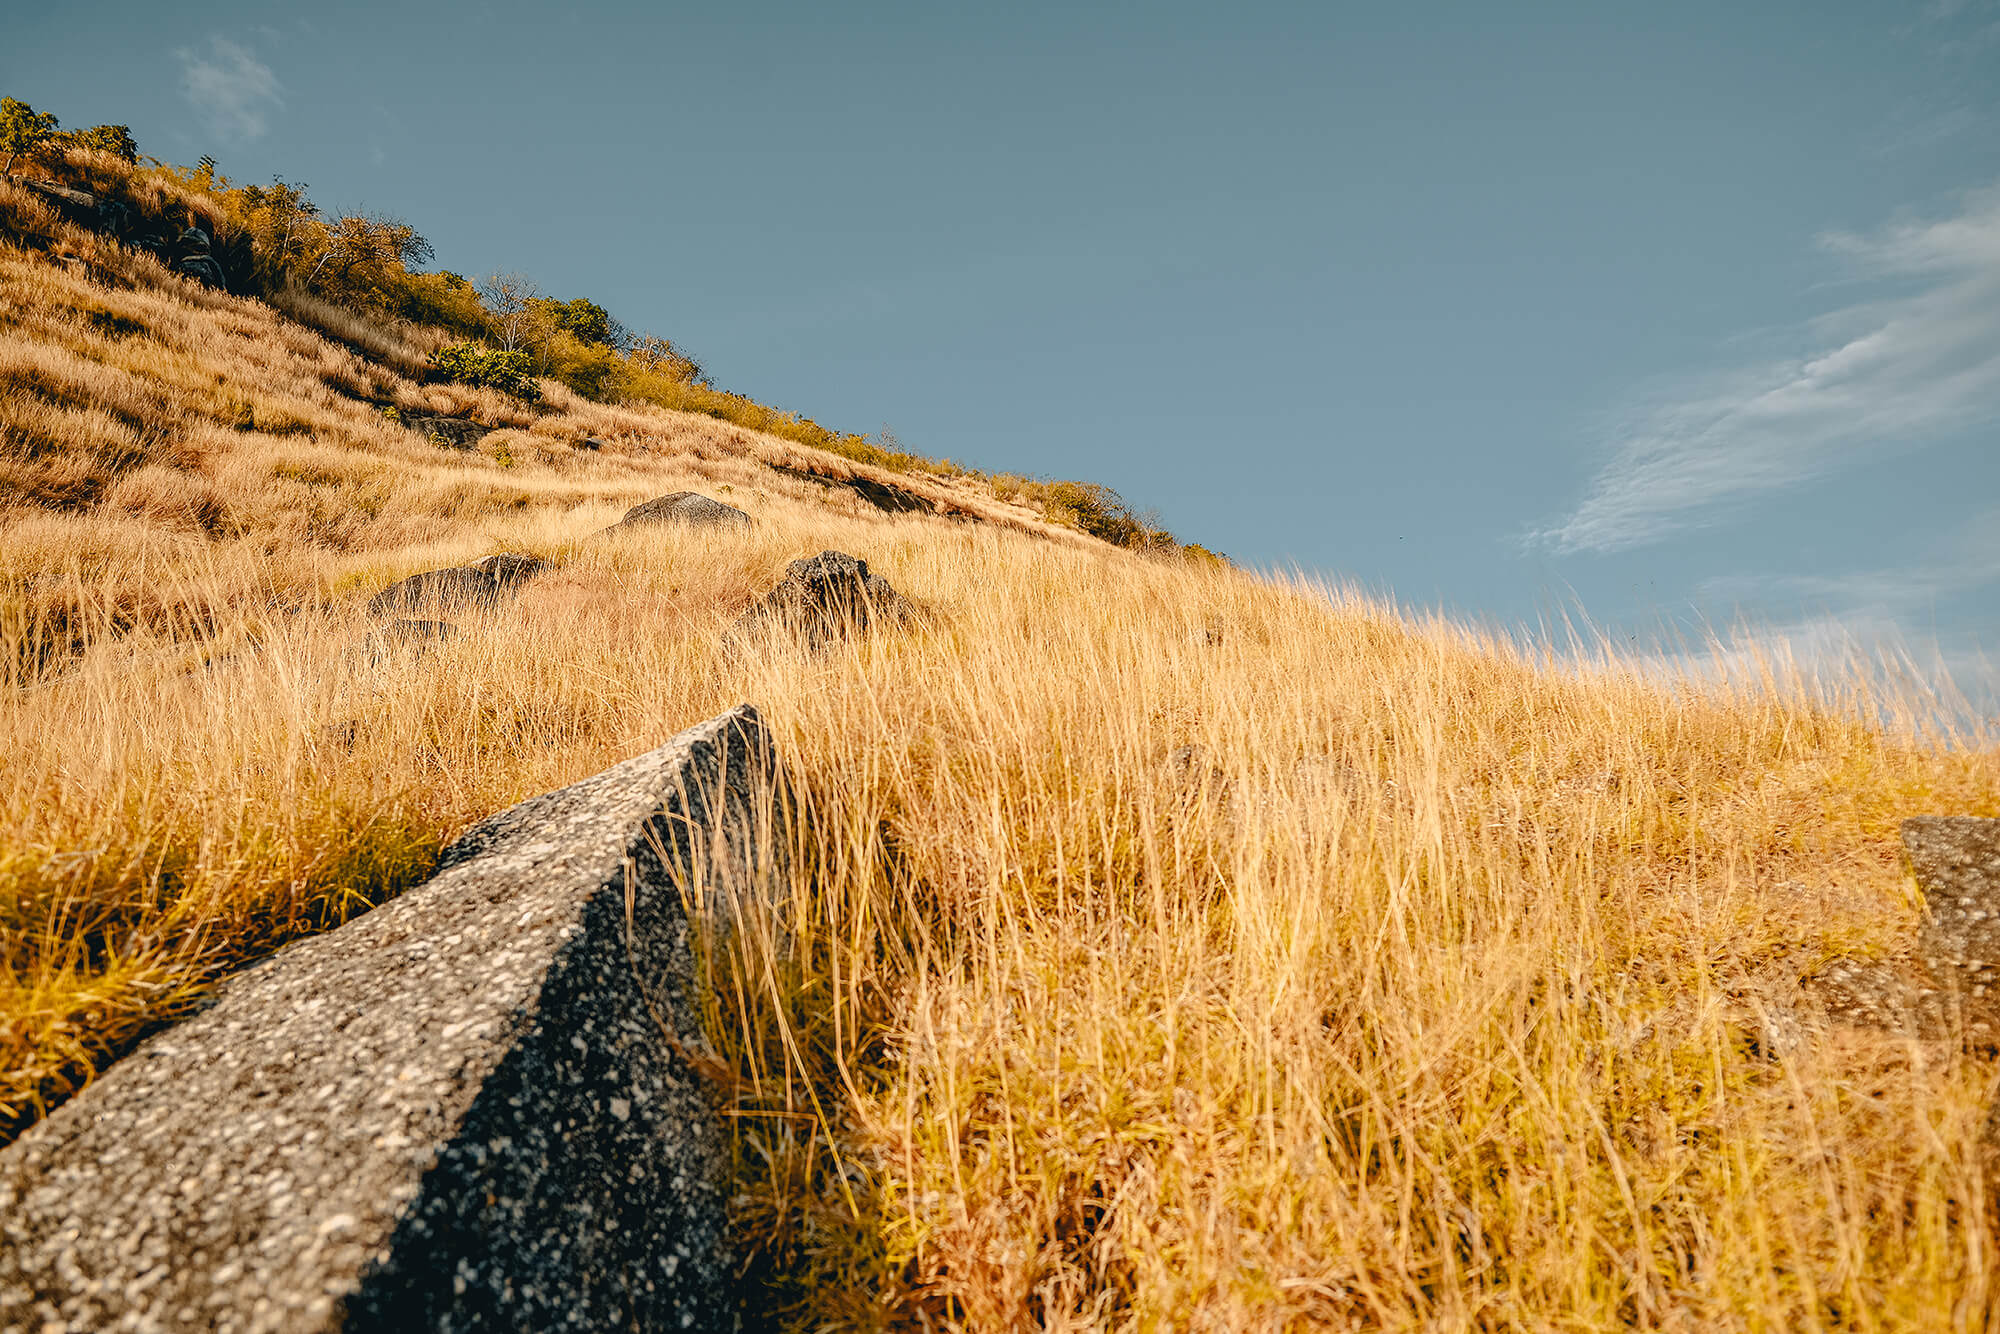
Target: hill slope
(1169,947)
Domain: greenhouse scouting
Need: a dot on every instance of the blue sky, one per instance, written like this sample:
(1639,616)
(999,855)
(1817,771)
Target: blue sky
(1683,314)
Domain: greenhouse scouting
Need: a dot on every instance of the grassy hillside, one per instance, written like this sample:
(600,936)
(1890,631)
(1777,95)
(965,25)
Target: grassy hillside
(1169,948)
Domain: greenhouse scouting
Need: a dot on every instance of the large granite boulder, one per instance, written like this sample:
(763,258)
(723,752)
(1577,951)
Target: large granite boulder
(460,587)
(689,507)
(479,1106)
(508,568)
(826,597)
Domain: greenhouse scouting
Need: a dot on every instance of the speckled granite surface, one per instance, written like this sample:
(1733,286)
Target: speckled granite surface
(458,1111)
(1948,986)
(1956,860)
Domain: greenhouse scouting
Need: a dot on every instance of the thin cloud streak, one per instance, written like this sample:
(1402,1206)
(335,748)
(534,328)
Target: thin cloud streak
(233,90)
(1889,375)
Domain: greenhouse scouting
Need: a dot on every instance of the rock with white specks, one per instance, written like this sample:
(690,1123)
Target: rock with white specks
(478,1106)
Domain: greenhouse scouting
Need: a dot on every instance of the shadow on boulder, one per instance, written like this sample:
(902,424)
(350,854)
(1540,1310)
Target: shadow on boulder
(882,495)
(459,588)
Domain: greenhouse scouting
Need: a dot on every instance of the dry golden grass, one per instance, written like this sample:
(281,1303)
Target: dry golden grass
(1434,988)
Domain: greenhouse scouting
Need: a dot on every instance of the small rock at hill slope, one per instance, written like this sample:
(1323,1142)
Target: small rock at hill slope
(689,507)
(883,496)
(826,597)
(889,499)
(479,584)
(451,432)
(509,567)
(483,1105)
(197,262)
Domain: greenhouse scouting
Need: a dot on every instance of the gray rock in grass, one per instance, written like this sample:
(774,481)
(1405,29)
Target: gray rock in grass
(826,597)
(479,1106)
(689,507)
(459,587)
(1956,860)
(1949,987)
(449,432)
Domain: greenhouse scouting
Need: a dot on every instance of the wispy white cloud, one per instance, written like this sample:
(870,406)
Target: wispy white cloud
(233,90)
(1880,375)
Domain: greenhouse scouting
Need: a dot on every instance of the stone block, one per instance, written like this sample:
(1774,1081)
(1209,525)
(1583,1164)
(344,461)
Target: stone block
(478,1106)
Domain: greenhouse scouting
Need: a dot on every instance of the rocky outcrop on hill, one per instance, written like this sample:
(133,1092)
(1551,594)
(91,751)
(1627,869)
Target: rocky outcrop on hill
(476,1107)
(826,597)
(189,250)
(689,507)
(889,499)
(459,587)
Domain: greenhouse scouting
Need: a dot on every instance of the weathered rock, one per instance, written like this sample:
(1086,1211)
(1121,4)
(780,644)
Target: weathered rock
(690,507)
(1956,860)
(590,442)
(195,260)
(889,499)
(1949,987)
(451,432)
(829,596)
(459,587)
(1896,994)
(476,1107)
(509,567)
(79,198)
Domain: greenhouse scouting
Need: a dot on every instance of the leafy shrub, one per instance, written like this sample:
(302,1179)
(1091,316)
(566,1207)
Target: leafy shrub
(116,140)
(591,369)
(469,363)
(23,130)
(582,319)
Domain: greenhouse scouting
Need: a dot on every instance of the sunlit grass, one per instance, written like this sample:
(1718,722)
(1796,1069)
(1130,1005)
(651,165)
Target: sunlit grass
(1163,947)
